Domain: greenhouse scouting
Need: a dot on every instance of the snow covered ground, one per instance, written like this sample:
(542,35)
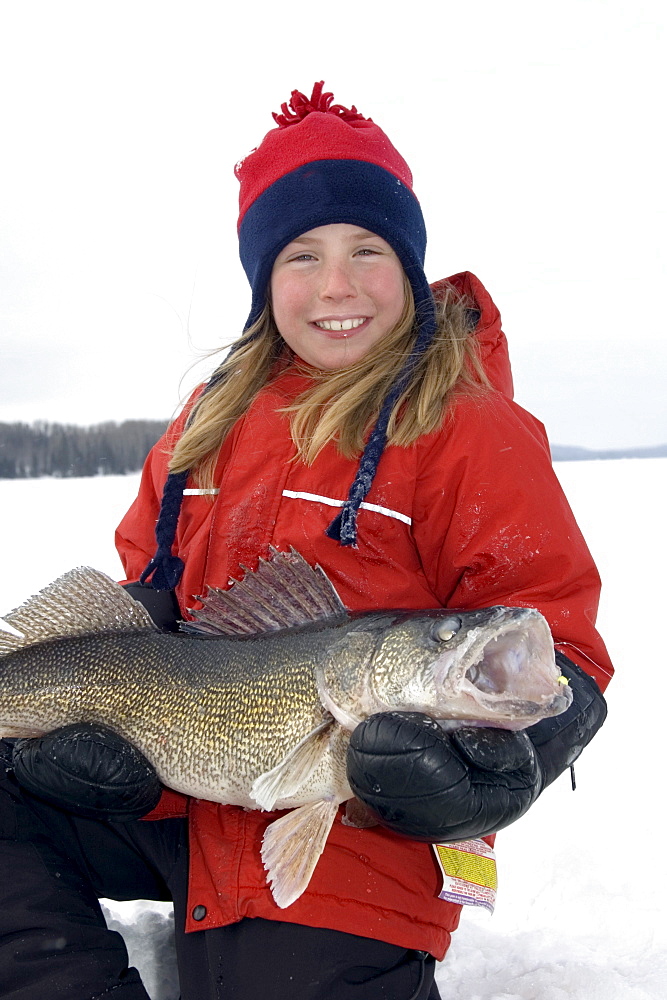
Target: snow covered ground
(583,877)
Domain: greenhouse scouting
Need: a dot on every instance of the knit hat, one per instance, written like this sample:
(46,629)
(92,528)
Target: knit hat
(322,164)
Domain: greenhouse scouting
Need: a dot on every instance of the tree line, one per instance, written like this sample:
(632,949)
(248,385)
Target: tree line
(66,450)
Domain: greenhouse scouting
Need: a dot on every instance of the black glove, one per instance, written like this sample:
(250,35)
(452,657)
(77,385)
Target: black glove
(428,784)
(88,769)
(161,605)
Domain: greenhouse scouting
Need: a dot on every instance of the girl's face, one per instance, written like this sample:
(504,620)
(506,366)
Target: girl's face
(335,292)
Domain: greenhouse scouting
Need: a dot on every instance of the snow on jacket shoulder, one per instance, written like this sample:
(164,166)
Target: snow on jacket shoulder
(471,515)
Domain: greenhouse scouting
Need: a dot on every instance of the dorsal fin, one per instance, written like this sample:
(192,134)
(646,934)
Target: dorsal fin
(284,591)
(82,600)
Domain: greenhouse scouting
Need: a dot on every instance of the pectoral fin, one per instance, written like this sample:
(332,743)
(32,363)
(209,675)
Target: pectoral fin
(285,779)
(292,846)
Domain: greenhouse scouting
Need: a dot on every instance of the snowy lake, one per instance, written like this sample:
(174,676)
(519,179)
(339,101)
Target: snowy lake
(582,877)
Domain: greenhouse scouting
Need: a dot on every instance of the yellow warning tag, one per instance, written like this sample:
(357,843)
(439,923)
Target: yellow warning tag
(469,875)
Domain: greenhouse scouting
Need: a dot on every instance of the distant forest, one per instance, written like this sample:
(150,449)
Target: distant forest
(571,453)
(65,450)
(111,449)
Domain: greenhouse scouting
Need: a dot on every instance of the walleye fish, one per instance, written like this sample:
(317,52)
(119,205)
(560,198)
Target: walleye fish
(253,703)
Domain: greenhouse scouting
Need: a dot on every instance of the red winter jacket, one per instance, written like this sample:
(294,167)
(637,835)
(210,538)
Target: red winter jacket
(469,516)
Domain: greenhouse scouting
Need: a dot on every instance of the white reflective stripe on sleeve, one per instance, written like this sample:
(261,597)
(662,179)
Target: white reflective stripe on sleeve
(330,502)
(200,493)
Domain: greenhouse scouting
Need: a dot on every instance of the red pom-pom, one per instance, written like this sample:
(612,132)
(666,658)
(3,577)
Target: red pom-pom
(300,106)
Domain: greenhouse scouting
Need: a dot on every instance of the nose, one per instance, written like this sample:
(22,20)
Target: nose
(337,282)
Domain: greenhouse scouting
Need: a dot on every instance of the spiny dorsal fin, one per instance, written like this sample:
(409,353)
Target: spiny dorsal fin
(82,600)
(284,591)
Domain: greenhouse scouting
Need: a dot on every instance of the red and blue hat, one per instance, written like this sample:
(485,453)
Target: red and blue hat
(325,164)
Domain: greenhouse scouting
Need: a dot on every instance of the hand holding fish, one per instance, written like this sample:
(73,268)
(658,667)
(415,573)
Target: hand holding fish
(412,776)
(428,784)
(260,698)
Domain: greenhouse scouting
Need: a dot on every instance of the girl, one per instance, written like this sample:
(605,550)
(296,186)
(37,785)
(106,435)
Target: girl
(366,419)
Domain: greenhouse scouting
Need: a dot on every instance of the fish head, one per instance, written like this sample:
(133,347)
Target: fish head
(494,666)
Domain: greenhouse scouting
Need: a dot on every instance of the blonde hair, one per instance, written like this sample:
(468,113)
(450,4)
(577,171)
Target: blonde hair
(339,406)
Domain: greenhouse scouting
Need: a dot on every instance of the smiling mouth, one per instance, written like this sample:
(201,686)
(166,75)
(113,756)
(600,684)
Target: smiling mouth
(340,325)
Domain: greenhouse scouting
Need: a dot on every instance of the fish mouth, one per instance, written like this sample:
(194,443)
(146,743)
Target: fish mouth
(506,674)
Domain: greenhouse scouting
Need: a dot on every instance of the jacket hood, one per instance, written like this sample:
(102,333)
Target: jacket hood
(494,354)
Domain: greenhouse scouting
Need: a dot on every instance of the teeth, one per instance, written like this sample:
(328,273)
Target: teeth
(340,324)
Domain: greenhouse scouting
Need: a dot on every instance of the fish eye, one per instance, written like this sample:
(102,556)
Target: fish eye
(445,629)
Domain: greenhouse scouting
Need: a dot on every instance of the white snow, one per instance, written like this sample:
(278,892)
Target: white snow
(583,877)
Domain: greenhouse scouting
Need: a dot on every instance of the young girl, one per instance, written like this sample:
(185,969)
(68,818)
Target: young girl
(365,419)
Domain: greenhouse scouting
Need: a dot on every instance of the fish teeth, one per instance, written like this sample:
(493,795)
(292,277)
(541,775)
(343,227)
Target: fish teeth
(340,324)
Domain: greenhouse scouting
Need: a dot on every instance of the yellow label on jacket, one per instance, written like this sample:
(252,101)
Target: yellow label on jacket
(469,875)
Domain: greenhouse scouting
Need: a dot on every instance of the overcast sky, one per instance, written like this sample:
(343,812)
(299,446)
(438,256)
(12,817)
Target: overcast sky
(535,134)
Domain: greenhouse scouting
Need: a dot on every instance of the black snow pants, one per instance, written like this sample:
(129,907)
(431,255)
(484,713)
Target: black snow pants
(54,942)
